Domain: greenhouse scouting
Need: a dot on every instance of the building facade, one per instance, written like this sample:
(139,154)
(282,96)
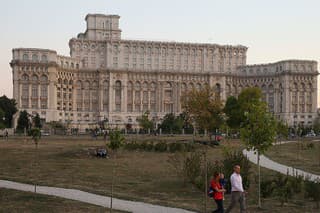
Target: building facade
(106,77)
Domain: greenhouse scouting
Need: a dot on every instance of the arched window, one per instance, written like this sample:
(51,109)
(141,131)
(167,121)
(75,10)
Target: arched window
(79,95)
(43,79)
(118,96)
(137,98)
(35,78)
(34,57)
(44,58)
(25,57)
(25,77)
(153,87)
(130,96)
(86,96)
(218,91)
(168,98)
(105,90)
(145,97)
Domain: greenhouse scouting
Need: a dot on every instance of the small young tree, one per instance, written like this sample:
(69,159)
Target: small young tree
(116,141)
(37,121)
(35,134)
(23,121)
(144,122)
(258,132)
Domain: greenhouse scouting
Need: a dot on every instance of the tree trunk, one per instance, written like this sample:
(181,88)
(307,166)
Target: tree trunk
(35,168)
(112,180)
(259,181)
(206,181)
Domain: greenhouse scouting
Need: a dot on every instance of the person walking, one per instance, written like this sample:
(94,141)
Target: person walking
(218,193)
(237,192)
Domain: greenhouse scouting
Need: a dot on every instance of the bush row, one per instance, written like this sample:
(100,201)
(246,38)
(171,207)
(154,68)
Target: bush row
(159,147)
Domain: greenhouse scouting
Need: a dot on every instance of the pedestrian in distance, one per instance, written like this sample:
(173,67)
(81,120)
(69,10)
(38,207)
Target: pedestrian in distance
(237,192)
(218,192)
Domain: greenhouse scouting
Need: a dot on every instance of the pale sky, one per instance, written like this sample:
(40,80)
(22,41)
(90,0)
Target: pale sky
(272,29)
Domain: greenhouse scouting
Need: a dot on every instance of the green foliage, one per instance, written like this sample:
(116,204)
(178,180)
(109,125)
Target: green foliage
(116,140)
(285,187)
(37,121)
(175,147)
(249,97)
(232,158)
(204,107)
(144,122)
(171,124)
(310,146)
(282,129)
(312,190)
(233,112)
(259,129)
(192,164)
(161,147)
(267,188)
(23,121)
(8,106)
(35,134)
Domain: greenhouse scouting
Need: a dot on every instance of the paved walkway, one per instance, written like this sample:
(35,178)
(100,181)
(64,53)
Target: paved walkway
(73,194)
(270,164)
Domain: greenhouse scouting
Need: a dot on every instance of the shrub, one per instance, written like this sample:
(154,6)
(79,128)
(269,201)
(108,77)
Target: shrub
(143,145)
(149,147)
(236,158)
(188,147)
(310,146)
(267,188)
(175,147)
(131,145)
(160,147)
(312,190)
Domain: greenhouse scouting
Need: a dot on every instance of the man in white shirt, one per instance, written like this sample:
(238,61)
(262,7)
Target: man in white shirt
(237,192)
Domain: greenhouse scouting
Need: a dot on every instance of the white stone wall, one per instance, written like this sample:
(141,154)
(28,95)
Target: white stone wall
(106,77)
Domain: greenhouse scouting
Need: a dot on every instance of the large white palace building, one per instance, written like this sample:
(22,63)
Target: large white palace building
(106,77)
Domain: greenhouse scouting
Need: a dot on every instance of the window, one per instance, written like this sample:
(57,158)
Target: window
(34,58)
(118,96)
(44,58)
(25,57)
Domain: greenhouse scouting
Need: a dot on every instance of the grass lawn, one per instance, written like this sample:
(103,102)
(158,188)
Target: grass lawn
(17,201)
(298,155)
(142,176)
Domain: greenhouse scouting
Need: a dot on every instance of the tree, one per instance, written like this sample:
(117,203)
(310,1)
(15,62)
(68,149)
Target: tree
(258,132)
(205,108)
(2,122)
(35,134)
(144,122)
(23,121)
(9,108)
(37,121)
(116,141)
(171,124)
(248,97)
(233,112)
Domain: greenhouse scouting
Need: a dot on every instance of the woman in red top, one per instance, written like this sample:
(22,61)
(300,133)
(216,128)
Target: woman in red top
(218,192)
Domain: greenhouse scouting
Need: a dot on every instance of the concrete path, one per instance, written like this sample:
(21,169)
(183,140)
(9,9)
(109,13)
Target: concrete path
(99,200)
(270,164)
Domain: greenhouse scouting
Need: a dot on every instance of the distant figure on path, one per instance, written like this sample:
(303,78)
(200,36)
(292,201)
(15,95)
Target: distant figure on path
(218,192)
(237,192)
(6,134)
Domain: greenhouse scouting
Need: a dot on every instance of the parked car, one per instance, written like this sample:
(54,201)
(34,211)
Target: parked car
(102,153)
(44,133)
(311,134)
